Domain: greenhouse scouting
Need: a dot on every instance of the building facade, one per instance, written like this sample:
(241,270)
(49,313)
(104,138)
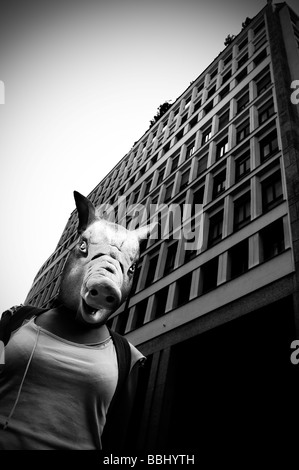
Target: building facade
(215,318)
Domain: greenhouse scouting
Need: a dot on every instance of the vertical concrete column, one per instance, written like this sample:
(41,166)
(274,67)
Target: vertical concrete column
(230,171)
(232,108)
(177,182)
(183,152)
(234,61)
(253,118)
(193,170)
(232,136)
(215,124)
(181,250)
(220,65)
(208,191)
(205,231)
(254,153)
(207,80)
(195,284)
(228,216)
(171,297)
(222,268)
(168,167)
(256,197)
(218,81)
(251,90)
(150,310)
(287,232)
(143,273)
(197,140)
(161,260)
(255,251)
(182,155)
(250,49)
(131,318)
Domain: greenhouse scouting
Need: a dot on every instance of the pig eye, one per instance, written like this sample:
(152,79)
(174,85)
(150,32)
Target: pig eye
(132,268)
(83,246)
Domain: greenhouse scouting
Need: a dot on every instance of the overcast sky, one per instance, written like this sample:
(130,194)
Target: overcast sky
(82,81)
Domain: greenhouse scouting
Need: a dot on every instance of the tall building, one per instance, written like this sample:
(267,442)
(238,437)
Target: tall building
(217,319)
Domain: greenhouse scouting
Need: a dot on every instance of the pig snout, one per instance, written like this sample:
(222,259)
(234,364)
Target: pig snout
(102,293)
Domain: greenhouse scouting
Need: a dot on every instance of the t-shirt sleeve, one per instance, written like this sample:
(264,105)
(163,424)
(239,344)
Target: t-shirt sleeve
(136,356)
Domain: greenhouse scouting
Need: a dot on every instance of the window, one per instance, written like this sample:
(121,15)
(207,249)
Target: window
(179,135)
(243,131)
(135,197)
(221,148)
(272,193)
(189,255)
(242,213)
(260,57)
(147,187)
(184,119)
(272,238)
(263,83)
(160,176)
(197,106)
(168,192)
(154,199)
(211,91)
(190,150)
(154,159)
(242,166)
(242,61)
(223,120)
(242,102)
(183,286)
(260,43)
(202,165)
(209,273)
(259,28)
(151,270)
(139,314)
(197,199)
(266,111)
(213,74)
(215,229)
(219,183)
(193,122)
(224,92)
(226,77)
(185,179)
(170,258)
(243,44)
(166,148)
(175,162)
(206,135)
(208,108)
(142,170)
(227,60)
(268,145)
(239,259)
(240,77)
(188,101)
(160,302)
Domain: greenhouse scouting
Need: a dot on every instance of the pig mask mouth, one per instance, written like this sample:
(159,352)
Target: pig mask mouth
(98,301)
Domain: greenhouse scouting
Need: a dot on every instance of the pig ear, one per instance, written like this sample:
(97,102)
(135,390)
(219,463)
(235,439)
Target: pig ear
(86,211)
(144,232)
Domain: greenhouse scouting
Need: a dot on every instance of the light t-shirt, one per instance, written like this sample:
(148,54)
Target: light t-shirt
(64,398)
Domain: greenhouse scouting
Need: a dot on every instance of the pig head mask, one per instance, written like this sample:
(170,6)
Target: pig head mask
(98,273)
